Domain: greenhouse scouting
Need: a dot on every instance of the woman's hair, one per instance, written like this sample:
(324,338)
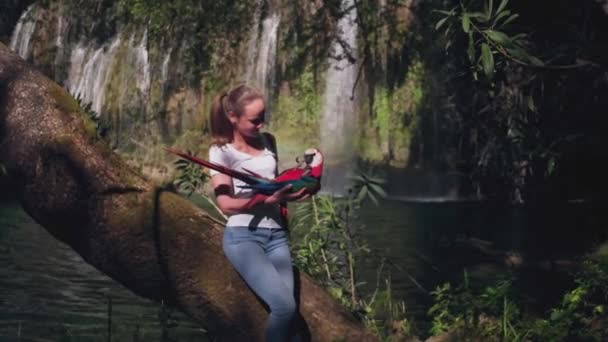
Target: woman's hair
(234,101)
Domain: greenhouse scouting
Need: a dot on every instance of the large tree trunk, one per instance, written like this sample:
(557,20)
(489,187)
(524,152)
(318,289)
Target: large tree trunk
(152,241)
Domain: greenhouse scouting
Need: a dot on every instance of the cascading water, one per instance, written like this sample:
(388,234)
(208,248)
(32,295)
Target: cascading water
(262,55)
(143,66)
(338,119)
(22,35)
(164,70)
(89,72)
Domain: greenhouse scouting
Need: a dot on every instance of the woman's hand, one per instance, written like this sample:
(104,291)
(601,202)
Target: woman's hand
(283,195)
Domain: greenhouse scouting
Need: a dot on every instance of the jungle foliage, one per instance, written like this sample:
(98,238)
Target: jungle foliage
(525,112)
(495,313)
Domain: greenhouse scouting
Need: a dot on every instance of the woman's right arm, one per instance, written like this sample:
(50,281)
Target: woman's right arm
(230,205)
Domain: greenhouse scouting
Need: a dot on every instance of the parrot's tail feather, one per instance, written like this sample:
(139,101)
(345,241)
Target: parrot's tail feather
(219,168)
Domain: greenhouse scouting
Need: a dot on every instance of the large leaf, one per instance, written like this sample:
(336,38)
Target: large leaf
(466,23)
(489,8)
(500,16)
(478,15)
(487,60)
(499,38)
(471,49)
(510,19)
(377,189)
(502,6)
(440,23)
(518,53)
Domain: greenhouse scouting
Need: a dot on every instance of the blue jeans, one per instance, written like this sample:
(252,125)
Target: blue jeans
(261,256)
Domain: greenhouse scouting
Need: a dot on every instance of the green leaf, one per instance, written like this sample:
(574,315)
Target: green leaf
(510,19)
(445,12)
(478,15)
(357,178)
(502,6)
(466,23)
(518,53)
(500,16)
(362,193)
(535,61)
(490,5)
(498,37)
(531,104)
(487,60)
(440,23)
(471,49)
(378,190)
(373,198)
(377,180)
(518,37)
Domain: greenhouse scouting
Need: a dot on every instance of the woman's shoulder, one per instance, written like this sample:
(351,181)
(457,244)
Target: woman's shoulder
(216,149)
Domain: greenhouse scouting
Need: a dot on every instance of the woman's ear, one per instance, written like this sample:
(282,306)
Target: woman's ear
(232,117)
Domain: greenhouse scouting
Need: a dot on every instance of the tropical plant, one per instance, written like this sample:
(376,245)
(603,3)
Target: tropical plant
(487,40)
(328,247)
(492,313)
(190,177)
(102,126)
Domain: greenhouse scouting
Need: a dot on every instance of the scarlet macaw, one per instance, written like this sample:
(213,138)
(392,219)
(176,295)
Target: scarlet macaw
(308,177)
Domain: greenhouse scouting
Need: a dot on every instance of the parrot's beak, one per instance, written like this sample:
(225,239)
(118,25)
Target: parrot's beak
(305,159)
(308,158)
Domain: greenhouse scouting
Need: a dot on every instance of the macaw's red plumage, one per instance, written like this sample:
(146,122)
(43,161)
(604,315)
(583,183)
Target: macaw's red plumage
(308,177)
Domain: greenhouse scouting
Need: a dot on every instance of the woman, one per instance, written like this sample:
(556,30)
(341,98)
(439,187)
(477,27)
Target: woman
(255,238)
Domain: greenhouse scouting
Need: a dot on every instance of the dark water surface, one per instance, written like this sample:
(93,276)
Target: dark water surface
(48,293)
(434,242)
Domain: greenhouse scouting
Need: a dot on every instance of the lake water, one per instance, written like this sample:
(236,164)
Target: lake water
(48,293)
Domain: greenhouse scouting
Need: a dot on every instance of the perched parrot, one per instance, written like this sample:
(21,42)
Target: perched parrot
(308,177)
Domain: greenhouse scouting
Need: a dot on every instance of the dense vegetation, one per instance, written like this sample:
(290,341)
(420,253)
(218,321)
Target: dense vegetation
(524,114)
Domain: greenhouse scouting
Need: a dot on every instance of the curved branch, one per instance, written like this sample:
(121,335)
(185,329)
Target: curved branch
(154,242)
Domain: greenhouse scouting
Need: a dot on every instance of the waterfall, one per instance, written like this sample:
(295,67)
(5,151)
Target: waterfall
(89,71)
(59,44)
(338,118)
(20,39)
(164,71)
(261,55)
(253,44)
(143,66)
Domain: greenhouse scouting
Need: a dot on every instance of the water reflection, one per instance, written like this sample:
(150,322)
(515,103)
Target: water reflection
(431,243)
(47,292)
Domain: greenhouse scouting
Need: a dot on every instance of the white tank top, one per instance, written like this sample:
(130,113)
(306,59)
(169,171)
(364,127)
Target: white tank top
(264,164)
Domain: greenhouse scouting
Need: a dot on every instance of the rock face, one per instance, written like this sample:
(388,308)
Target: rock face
(152,241)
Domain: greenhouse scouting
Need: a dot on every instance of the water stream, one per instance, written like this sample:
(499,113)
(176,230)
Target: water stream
(338,118)
(22,34)
(261,54)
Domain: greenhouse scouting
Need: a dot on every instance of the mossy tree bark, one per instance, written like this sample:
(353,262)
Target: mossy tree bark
(153,242)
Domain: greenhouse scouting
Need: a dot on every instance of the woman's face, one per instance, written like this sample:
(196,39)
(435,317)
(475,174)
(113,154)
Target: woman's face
(251,121)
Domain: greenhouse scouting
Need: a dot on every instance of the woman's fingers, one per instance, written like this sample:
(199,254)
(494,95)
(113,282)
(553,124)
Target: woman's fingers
(296,195)
(306,196)
(284,189)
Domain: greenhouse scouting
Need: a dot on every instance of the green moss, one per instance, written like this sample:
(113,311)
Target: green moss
(388,133)
(299,110)
(64,101)
(67,104)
